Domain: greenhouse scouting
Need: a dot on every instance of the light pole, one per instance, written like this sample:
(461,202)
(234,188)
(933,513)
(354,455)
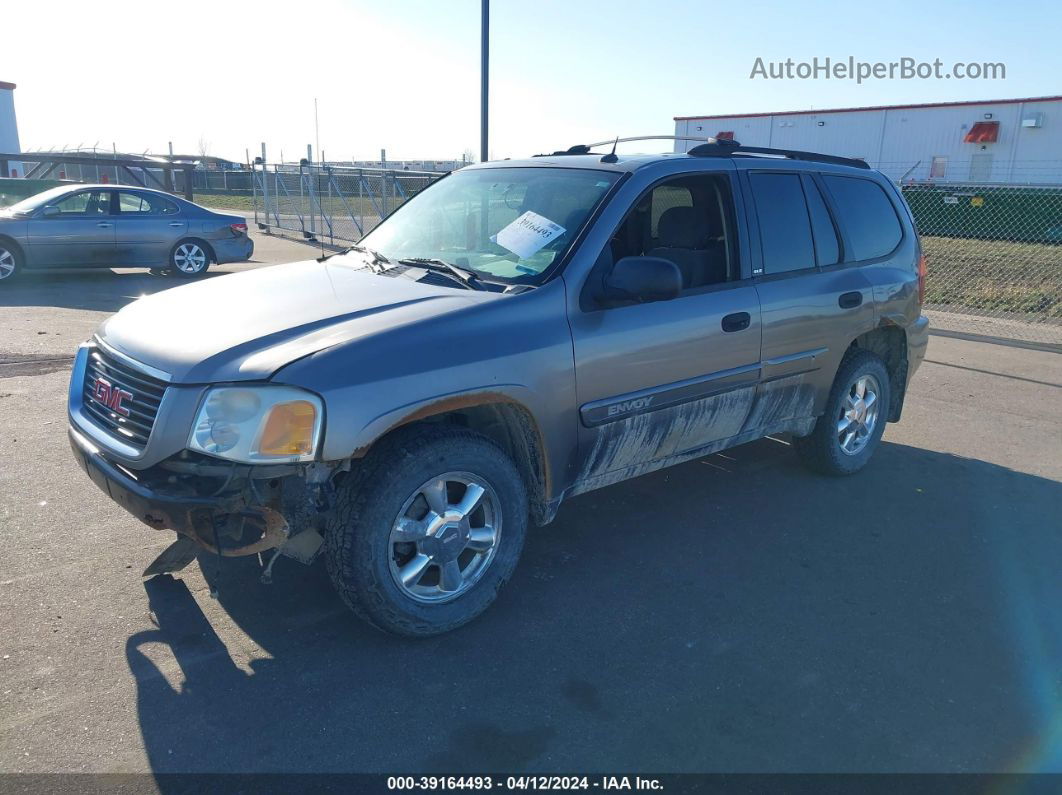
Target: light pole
(316,128)
(483,78)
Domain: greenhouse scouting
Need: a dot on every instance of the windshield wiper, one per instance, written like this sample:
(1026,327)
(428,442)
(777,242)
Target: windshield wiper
(377,264)
(466,277)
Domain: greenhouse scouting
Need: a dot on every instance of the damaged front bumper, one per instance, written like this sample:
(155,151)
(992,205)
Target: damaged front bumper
(226,509)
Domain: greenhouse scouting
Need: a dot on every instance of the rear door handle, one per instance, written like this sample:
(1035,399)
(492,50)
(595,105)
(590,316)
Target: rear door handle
(176,223)
(103,225)
(739,321)
(850,300)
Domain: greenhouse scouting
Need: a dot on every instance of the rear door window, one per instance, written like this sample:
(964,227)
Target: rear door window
(785,230)
(130,203)
(866,215)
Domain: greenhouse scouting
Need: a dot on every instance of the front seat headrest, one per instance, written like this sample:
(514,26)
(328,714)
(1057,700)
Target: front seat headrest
(681,227)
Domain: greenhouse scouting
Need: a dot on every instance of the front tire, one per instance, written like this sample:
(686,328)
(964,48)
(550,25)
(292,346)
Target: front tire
(10,262)
(426,530)
(848,432)
(189,258)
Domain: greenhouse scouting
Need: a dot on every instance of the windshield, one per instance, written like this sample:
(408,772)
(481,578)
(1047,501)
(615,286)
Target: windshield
(505,224)
(27,206)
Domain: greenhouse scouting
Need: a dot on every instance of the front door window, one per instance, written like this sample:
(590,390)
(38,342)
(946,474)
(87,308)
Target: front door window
(91,202)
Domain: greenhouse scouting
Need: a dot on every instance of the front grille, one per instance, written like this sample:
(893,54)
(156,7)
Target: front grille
(128,419)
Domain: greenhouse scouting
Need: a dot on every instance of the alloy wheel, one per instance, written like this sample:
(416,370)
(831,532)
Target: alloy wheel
(858,415)
(445,537)
(7,263)
(189,258)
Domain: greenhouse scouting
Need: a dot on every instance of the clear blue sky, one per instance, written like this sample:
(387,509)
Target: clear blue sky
(404,74)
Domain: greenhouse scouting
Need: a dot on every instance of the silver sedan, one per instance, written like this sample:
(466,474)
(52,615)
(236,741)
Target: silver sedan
(113,226)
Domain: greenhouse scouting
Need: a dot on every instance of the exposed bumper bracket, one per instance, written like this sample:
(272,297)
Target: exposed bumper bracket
(193,517)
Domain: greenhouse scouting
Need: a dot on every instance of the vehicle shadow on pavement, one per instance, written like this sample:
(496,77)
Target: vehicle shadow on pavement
(735,613)
(99,290)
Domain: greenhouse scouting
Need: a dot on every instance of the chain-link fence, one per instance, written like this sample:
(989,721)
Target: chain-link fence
(994,256)
(225,181)
(332,203)
(979,168)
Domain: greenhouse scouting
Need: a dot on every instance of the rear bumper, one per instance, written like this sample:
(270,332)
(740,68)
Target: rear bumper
(199,518)
(235,249)
(917,341)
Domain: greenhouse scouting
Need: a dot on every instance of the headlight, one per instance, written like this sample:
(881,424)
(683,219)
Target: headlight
(258,424)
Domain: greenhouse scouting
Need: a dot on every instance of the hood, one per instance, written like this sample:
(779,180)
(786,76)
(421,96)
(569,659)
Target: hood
(247,325)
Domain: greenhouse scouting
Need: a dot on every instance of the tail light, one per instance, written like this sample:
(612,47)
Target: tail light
(238,229)
(921,279)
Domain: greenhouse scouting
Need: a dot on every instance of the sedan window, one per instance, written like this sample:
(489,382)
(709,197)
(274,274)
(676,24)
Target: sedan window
(145,204)
(90,202)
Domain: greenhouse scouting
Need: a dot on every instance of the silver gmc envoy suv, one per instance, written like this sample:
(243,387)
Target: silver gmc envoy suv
(517,333)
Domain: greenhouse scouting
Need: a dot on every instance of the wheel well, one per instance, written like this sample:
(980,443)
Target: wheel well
(889,343)
(211,256)
(10,241)
(511,427)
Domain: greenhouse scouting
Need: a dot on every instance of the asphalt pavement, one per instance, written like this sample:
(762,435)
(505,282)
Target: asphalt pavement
(735,613)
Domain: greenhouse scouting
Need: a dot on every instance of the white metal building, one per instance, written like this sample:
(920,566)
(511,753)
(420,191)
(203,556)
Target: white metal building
(404,165)
(8,123)
(1005,141)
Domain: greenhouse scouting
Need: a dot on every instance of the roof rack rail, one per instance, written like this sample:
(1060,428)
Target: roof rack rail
(584,149)
(716,147)
(726,148)
(656,138)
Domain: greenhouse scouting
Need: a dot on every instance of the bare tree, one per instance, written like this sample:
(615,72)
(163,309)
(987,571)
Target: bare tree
(204,146)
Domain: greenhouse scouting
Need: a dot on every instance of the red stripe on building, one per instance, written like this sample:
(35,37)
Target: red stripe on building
(871,108)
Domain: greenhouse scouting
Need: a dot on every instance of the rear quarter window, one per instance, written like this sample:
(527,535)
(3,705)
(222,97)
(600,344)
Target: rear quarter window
(827,249)
(866,215)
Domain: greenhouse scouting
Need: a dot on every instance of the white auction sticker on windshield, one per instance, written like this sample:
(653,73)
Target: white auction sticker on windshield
(528,233)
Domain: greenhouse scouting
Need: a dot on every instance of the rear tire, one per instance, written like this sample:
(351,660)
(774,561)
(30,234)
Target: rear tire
(400,550)
(190,258)
(848,432)
(10,262)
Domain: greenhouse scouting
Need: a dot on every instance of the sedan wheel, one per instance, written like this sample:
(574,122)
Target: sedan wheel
(190,258)
(8,263)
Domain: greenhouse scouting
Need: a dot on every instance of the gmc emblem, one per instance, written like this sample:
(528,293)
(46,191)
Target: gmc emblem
(111,396)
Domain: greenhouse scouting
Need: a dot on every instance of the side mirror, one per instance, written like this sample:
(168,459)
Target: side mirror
(49,211)
(642,280)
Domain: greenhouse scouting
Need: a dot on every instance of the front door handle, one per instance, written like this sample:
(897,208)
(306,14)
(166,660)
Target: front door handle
(103,225)
(850,300)
(739,321)
(176,223)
